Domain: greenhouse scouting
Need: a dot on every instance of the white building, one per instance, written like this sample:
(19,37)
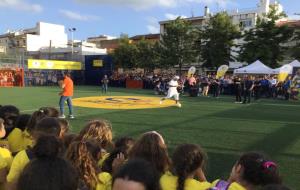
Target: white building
(46,35)
(33,39)
(245,18)
(79,48)
(45,38)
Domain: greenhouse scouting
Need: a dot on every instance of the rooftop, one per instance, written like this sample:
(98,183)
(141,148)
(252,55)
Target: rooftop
(290,23)
(188,19)
(146,36)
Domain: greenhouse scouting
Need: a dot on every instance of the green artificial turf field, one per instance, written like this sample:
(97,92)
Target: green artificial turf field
(222,128)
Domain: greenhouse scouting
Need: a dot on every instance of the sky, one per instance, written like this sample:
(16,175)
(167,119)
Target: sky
(114,17)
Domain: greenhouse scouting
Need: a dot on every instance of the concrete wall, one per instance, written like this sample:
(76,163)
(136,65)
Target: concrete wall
(46,33)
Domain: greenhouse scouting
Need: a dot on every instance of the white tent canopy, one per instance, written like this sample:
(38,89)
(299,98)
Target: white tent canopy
(295,63)
(255,68)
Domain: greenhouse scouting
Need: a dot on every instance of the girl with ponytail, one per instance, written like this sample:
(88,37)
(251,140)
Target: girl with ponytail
(251,171)
(187,174)
(21,137)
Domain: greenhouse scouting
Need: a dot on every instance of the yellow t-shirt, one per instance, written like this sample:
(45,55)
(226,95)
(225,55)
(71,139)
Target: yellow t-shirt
(27,140)
(169,182)
(17,166)
(7,157)
(5,161)
(15,139)
(106,181)
(3,166)
(233,186)
(19,140)
(101,161)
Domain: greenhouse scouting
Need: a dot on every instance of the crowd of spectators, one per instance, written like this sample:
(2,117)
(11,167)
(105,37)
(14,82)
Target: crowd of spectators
(264,86)
(49,77)
(40,153)
(10,77)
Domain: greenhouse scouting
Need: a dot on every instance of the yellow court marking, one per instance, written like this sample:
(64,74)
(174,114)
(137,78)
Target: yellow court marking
(122,102)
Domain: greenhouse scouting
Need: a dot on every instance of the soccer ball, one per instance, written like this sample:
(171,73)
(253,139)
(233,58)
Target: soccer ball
(179,105)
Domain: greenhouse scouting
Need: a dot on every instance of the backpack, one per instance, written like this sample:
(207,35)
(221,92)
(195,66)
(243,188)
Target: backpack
(221,185)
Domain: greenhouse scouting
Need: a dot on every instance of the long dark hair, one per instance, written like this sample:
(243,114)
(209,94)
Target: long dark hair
(140,171)
(258,170)
(150,147)
(187,158)
(47,171)
(22,121)
(47,125)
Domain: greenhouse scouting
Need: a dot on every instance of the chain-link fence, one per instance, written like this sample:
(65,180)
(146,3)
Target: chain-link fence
(11,61)
(14,67)
(11,70)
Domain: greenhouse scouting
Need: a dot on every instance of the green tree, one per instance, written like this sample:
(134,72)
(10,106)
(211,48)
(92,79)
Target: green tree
(125,55)
(264,42)
(216,41)
(177,44)
(147,55)
(296,48)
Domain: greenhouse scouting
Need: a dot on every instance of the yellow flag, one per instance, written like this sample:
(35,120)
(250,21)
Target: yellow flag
(221,71)
(191,71)
(284,72)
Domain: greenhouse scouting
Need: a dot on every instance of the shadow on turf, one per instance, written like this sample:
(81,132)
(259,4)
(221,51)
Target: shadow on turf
(219,165)
(276,142)
(260,112)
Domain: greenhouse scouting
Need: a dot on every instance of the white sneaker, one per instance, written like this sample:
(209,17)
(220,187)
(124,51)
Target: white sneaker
(62,116)
(71,116)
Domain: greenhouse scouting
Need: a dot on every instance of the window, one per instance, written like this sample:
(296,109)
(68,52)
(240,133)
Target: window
(246,23)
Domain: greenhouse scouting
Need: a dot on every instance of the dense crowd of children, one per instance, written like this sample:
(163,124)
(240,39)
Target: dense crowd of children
(39,153)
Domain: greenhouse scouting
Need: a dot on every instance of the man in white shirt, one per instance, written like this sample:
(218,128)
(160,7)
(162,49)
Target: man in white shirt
(172,92)
(273,82)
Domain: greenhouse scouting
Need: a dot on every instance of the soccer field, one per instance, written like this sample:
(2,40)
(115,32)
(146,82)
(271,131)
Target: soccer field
(222,128)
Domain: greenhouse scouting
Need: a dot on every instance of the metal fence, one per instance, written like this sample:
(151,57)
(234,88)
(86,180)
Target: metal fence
(35,77)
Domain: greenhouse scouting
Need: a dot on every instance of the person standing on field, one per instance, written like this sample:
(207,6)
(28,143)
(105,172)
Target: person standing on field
(238,89)
(66,95)
(104,82)
(247,89)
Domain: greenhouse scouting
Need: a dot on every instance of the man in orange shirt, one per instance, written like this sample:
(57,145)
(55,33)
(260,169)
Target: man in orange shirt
(66,95)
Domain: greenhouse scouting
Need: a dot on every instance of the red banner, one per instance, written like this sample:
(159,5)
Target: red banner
(137,84)
(11,77)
